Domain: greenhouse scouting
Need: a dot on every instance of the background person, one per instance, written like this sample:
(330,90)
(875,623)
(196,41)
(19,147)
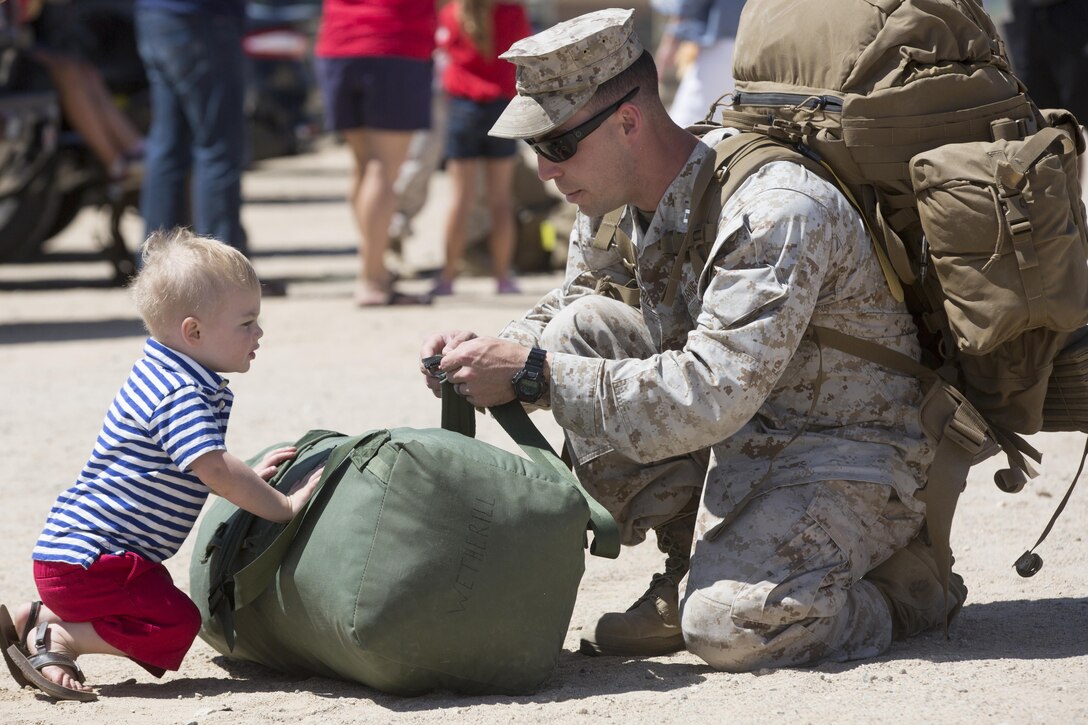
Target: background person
(196,147)
(478,86)
(375,70)
(88,104)
(89,108)
(697,43)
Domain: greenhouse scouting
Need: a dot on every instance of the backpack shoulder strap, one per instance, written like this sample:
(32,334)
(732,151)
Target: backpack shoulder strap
(736,158)
(610,232)
(608,229)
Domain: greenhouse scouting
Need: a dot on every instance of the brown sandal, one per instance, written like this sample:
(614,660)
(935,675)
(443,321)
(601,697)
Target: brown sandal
(9,637)
(31,667)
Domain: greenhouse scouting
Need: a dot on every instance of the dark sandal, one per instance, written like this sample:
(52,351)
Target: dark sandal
(31,622)
(396,299)
(404,298)
(31,668)
(10,638)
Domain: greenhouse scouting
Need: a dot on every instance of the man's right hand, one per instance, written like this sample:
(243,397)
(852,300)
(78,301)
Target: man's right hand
(440,344)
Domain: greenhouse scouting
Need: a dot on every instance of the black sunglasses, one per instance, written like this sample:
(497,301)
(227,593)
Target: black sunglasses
(563,147)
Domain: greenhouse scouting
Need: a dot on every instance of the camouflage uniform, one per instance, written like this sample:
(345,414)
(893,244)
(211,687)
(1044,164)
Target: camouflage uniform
(807,458)
(721,384)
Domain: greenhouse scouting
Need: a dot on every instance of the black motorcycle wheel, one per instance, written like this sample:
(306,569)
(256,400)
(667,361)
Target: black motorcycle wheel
(69,204)
(27,216)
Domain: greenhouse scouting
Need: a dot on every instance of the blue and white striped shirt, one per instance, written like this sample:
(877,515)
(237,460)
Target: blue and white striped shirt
(135,493)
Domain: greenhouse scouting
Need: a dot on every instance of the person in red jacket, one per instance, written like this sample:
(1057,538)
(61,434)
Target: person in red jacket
(479,85)
(375,69)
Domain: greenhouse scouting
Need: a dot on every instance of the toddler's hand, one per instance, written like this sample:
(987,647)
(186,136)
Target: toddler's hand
(271,461)
(301,492)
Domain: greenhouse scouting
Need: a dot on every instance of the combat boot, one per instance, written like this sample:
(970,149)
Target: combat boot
(651,626)
(912,588)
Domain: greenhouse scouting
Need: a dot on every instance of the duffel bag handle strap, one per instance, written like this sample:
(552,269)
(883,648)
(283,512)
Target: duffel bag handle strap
(458,415)
(255,577)
(223,549)
(515,421)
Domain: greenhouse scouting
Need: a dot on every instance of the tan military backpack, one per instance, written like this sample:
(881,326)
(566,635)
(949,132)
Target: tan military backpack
(970,194)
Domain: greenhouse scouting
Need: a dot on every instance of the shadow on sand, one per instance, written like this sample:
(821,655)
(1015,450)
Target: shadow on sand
(990,631)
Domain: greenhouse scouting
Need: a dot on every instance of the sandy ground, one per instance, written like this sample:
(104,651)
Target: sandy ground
(1018,652)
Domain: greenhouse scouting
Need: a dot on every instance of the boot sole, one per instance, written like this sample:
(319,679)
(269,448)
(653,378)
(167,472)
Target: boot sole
(646,647)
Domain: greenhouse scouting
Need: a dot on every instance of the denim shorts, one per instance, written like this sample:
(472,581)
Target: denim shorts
(392,94)
(467,126)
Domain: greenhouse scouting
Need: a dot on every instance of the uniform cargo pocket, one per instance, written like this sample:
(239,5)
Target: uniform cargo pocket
(1005,239)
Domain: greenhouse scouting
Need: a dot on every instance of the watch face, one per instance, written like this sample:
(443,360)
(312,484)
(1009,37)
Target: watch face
(530,389)
(529,383)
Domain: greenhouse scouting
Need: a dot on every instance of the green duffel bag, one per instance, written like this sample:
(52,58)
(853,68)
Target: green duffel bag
(425,560)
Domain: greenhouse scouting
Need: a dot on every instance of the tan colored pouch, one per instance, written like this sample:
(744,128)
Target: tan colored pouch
(1066,406)
(1005,229)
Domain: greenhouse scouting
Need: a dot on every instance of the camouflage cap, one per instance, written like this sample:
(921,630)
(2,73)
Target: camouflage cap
(559,69)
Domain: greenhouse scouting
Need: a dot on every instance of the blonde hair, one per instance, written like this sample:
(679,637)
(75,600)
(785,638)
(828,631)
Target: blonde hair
(475,17)
(185,275)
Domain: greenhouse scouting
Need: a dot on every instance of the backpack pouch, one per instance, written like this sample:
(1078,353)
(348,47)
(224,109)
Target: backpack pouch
(1066,406)
(1009,384)
(1004,226)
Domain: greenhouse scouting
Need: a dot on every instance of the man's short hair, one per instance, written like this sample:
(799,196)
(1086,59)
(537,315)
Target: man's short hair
(641,74)
(185,275)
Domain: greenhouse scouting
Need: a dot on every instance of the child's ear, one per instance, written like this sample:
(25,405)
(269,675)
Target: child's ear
(190,331)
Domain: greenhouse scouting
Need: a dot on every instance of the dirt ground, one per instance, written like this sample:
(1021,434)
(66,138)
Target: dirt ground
(1018,653)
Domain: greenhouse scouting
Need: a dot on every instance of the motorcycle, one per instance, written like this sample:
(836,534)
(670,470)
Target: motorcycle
(66,176)
(29,126)
(280,105)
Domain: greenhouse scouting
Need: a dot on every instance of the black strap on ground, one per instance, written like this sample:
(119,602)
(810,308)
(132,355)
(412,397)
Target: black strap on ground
(1029,562)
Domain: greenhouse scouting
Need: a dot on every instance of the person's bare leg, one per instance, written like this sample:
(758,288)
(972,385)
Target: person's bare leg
(118,125)
(462,173)
(69,638)
(500,203)
(80,107)
(378,156)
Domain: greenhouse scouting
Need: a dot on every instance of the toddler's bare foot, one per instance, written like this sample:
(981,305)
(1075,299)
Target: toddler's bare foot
(53,640)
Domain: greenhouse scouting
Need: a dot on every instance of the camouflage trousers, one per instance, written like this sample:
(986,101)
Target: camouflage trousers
(778,583)
(639,496)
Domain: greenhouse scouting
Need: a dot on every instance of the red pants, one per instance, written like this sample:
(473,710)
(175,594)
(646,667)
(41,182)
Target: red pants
(131,602)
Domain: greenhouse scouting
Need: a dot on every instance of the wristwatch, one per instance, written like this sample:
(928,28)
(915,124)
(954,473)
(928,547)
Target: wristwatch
(529,382)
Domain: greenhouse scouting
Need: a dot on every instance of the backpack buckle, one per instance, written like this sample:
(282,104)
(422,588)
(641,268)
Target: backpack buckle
(782,130)
(967,430)
(1016,214)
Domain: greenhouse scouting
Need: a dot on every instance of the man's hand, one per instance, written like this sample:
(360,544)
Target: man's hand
(481,369)
(440,344)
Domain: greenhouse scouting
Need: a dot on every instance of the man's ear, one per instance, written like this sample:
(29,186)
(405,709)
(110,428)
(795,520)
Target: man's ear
(631,119)
(190,331)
